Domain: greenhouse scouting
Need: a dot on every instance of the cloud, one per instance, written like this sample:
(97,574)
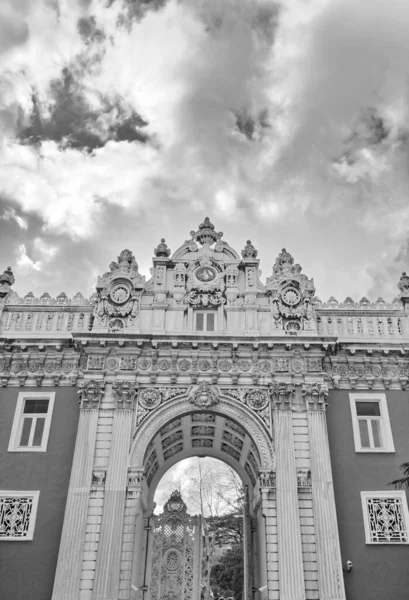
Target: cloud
(261,112)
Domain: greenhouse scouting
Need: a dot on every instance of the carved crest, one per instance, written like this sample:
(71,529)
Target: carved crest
(204,395)
(292,296)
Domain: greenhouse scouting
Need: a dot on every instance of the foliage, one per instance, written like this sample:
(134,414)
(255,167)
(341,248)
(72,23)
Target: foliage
(227,577)
(398,483)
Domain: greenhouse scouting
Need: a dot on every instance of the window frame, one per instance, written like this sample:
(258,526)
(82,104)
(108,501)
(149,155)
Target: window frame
(33,516)
(385,425)
(19,417)
(204,313)
(382,494)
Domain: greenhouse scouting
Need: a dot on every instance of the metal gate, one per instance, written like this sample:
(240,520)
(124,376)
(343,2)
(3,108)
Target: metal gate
(176,553)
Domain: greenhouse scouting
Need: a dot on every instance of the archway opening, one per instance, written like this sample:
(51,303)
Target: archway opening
(214,490)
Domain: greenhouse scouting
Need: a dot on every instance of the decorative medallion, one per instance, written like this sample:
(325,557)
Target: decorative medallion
(150,398)
(204,395)
(297,366)
(205,274)
(244,365)
(164,364)
(184,365)
(172,559)
(144,363)
(67,366)
(292,327)
(205,365)
(112,363)
(33,366)
(291,296)
(257,399)
(225,365)
(264,366)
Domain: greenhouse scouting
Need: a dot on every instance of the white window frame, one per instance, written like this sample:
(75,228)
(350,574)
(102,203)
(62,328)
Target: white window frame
(385,425)
(382,494)
(18,422)
(205,313)
(33,516)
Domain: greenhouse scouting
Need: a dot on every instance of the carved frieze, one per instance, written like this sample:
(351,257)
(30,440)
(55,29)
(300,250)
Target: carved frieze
(255,398)
(367,372)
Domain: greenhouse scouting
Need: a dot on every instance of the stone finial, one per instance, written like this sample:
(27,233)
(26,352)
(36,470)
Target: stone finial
(162,249)
(249,250)
(206,233)
(7,278)
(403,285)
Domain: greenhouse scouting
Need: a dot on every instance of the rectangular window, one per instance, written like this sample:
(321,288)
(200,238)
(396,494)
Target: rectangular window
(370,423)
(205,321)
(32,420)
(386,517)
(18,511)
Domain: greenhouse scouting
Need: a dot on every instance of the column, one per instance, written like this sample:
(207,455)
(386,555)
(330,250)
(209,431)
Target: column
(68,572)
(290,563)
(330,576)
(269,588)
(108,565)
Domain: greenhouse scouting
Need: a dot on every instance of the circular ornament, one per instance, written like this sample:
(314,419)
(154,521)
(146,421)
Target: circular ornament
(172,560)
(291,296)
(376,371)
(205,365)
(50,366)
(33,366)
(244,365)
(150,398)
(144,363)
(184,365)
(224,365)
(264,366)
(164,364)
(292,327)
(257,399)
(342,370)
(67,366)
(112,363)
(16,366)
(297,366)
(392,372)
(205,274)
(120,293)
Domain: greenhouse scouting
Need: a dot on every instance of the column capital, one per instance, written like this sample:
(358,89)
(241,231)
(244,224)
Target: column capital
(90,392)
(124,393)
(283,395)
(315,395)
(267,478)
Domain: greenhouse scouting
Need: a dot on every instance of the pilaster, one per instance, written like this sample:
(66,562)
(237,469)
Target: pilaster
(108,565)
(330,576)
(68,572)
(290,560)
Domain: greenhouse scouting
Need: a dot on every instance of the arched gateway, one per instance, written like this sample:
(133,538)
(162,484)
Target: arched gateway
(202,360)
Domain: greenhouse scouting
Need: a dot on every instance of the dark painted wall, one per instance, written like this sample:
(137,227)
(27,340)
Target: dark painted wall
(379,572)
(27,568)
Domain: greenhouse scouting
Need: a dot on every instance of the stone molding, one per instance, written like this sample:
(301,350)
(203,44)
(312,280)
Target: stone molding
(90,393)
(315,395)
(380,371)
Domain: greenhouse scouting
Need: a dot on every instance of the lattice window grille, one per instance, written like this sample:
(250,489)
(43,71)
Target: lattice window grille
(386,518)
(17,515)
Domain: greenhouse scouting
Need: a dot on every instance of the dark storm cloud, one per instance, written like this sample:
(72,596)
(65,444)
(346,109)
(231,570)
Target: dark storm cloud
(70,120)
(89,31)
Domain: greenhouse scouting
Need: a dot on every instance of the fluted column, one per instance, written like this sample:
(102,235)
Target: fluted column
(290,563)
(329,564)
(68,572)
(108,565)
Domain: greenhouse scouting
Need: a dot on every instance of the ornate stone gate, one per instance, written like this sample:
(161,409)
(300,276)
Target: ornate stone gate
(176,556)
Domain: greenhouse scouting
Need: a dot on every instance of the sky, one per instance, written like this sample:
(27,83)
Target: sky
(124,121)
